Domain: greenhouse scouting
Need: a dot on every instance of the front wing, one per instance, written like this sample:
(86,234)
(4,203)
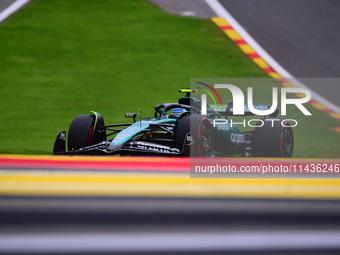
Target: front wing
(128,148)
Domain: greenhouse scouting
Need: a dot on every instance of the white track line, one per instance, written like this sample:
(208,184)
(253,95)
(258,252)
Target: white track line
(143,242)
(12,9)
(222,12)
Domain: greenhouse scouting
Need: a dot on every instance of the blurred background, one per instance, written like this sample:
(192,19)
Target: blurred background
(60,58)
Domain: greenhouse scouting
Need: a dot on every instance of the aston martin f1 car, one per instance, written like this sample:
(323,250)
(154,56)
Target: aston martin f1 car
(177,129)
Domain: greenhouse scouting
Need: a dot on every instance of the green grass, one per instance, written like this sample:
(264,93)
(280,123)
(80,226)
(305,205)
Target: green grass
(62,58)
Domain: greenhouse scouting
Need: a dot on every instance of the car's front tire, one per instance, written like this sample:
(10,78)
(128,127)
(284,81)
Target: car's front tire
(202,135)
(84,131)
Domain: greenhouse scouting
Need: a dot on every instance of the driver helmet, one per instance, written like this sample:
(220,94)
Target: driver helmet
(176,112)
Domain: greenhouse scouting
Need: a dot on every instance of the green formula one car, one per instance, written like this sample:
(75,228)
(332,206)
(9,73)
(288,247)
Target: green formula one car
(177,129)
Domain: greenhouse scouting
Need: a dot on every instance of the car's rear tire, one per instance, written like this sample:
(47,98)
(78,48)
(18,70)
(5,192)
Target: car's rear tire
(273,141)
(203,135)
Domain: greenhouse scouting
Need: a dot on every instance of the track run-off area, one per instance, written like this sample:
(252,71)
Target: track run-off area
(163,176)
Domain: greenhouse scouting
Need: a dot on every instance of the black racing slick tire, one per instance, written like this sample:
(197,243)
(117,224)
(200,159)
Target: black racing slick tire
(201,134)
(80,132)
(182,129)
(86,130)
(204,138)
(273,139)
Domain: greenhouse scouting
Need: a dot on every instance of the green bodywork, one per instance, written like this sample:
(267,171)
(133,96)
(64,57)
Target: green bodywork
(138,129)
(227,138)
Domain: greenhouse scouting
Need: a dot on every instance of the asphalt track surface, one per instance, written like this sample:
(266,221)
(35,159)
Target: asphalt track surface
(303,36)
(5,3)
(192,8)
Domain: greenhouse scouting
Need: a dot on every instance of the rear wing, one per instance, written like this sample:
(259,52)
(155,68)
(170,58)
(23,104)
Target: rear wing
(229,110)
